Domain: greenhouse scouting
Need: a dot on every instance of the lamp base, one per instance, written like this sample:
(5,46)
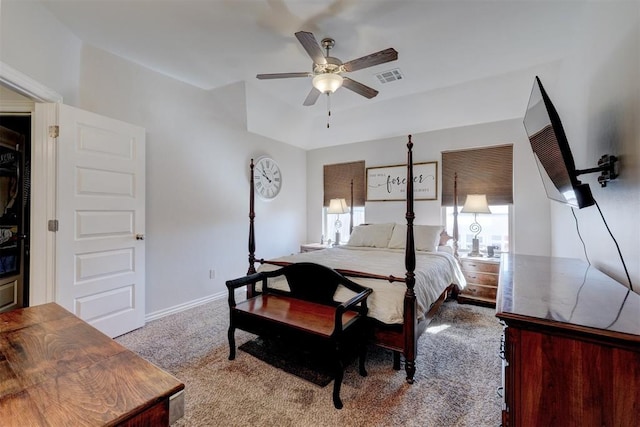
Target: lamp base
(337,241)
(475,248)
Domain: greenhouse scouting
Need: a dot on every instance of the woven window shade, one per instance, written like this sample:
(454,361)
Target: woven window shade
(337,182)
(480,171)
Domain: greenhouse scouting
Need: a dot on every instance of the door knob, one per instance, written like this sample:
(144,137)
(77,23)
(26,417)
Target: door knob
(139,236)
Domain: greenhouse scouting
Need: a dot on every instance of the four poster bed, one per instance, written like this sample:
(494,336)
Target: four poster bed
(409,275)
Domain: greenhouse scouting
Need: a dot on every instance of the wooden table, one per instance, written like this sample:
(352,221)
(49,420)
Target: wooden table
(57,370)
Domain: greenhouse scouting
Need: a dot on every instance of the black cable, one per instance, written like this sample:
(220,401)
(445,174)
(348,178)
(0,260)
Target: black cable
(584,280)
(617,246)
(584,247)
(619,310)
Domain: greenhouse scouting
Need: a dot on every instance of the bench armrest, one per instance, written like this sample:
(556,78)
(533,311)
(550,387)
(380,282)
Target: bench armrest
(245,280)
(358,298)
(362,296)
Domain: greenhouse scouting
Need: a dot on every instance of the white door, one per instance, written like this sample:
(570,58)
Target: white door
(100,204)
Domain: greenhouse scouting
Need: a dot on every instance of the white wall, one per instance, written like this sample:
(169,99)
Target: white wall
(35,43)
(198,153)
(531,207)
(597,95)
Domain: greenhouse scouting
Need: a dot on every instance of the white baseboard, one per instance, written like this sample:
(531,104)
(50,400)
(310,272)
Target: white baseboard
(182,307)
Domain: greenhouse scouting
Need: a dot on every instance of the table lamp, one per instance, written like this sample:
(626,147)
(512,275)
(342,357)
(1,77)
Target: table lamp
(338,207)
(475,204)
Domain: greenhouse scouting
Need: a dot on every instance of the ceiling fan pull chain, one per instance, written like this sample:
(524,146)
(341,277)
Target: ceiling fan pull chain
(328,108)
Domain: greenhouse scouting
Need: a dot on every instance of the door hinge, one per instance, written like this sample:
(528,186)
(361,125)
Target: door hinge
(53,225)
(54,131)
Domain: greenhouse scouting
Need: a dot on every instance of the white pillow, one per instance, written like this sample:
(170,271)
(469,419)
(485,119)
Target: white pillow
(445,248)
(426,237)
(372,235)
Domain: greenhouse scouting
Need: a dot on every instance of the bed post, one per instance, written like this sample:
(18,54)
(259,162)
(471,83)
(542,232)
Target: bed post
(252,215)
(410,318)
(351,210)
(455,215)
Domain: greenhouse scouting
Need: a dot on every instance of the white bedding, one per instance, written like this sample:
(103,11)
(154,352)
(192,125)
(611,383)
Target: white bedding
(434,272)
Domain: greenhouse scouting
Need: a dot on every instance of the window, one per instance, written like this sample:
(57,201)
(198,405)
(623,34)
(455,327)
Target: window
(489,171)
(343,181)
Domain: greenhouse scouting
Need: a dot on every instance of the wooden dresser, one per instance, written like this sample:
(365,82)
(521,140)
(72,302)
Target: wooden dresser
(571,344)
(482,280)
(57,370)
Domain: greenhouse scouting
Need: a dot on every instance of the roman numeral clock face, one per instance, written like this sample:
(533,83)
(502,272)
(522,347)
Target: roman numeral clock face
(267,178)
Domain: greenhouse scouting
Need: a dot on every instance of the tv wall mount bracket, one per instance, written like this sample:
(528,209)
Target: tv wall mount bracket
(607,166)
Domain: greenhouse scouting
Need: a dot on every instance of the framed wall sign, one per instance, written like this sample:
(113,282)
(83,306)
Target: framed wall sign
(389,183)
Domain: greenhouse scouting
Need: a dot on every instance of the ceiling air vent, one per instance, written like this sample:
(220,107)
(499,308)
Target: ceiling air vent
(390,76)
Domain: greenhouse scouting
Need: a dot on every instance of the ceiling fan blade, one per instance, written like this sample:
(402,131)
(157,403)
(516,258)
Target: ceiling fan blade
(310,44)
(312,97)
(381,57)
(283,75)
(359,88)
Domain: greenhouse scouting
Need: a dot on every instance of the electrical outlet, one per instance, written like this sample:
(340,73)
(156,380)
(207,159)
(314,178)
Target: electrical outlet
(212,274)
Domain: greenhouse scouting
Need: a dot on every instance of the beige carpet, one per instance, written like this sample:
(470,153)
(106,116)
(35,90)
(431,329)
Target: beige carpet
(458,372)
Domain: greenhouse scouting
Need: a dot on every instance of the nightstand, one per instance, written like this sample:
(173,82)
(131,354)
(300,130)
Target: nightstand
(482,280)
(309,247)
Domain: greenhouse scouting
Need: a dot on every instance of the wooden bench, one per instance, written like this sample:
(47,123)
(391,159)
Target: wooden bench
(307,312)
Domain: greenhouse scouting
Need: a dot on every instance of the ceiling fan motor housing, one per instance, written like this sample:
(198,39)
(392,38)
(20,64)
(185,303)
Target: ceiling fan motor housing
(333,65)
(328,43)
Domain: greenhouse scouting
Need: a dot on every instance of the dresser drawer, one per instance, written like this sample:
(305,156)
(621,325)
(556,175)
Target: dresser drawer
(480,266)
(481,278)
(479,291)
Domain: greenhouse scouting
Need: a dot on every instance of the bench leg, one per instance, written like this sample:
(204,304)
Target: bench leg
(362,359)
(396,360)
(232,342)
(337,383)
(337,402)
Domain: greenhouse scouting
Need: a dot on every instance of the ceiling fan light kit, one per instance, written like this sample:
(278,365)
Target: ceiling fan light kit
(327,82)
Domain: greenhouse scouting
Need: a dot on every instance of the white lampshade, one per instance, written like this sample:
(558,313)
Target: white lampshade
(338,206)
(327,82)
(476,203)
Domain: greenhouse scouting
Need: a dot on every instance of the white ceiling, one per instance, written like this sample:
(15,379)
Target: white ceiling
(464,62)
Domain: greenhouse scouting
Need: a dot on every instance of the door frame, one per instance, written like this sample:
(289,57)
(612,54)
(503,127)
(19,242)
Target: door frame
(44,112)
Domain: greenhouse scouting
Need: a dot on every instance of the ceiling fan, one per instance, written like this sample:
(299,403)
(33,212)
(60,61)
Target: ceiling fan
(327,71)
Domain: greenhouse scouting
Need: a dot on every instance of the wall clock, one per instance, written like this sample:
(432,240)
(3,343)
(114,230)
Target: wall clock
(267,178)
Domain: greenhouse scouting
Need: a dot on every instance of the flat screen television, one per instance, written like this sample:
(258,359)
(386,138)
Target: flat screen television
(552,152)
